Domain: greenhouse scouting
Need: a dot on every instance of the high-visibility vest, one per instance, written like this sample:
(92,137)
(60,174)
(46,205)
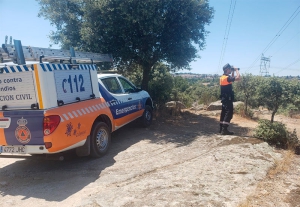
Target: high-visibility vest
(226,88)
(224,81)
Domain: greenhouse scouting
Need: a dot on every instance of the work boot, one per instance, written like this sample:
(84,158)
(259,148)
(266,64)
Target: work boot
(225,131)
(221,126)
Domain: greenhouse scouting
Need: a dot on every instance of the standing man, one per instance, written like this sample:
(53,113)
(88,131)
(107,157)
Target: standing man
(227,97)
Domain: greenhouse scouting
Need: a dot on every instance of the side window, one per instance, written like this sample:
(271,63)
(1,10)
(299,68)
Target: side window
(112,85)
(128,87)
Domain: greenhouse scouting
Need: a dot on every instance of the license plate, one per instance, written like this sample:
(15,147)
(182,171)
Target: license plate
(13,149)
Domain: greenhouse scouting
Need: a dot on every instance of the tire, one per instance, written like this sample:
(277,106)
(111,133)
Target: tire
(147,116)
(100,139)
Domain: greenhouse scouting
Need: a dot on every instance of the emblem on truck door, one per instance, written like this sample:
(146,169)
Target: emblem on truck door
(22,133)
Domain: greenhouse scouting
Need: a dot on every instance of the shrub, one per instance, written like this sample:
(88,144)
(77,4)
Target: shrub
(289,111)
(206,97)
(241,111)
(160,85)
(276,133)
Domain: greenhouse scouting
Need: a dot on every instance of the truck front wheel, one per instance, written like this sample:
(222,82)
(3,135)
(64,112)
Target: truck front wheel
(100,139)
(147,116)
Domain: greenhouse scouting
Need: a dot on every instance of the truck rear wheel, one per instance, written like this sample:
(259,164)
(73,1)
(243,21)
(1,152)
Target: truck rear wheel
(100,139)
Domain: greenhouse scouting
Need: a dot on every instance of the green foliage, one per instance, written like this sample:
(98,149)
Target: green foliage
(66,16)
(161,85)
(186,99)
(245,90)
(181,83)
(276,133)
(241,111)
(289,110)
(295,91)
(165,87)
(208,95)
(203,94)
(134,32)
(179,91)
(273,93)
(133,73)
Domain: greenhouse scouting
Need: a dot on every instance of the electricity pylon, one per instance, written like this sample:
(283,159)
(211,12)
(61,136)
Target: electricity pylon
(264,66)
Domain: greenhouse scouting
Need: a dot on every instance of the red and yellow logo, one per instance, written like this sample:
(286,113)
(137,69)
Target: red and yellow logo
(22,133)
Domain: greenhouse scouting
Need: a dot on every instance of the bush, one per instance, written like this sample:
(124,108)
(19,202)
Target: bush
(289,111)
(276,133)
(240,110)
(160,85)
(207,97)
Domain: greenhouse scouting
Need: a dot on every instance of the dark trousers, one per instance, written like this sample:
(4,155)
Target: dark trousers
(227,112)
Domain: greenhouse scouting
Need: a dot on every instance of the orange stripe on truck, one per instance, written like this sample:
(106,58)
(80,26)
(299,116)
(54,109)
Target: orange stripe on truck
(76,122)
(38,86)
(126,119)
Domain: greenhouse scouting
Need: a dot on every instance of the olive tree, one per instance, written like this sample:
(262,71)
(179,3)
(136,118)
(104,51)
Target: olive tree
(246,90)
(133,31)
(273,93)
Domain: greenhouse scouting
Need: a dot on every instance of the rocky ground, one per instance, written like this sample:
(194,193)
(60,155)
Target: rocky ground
(178,161)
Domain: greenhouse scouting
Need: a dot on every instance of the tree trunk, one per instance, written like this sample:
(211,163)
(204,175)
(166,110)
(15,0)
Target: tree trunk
(246,105)
(146,78)
(273,114)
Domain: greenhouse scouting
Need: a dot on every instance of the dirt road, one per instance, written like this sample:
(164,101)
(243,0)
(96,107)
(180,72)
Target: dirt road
(178,161)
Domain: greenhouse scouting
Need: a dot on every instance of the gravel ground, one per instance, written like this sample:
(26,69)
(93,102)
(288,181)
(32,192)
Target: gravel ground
(178,161)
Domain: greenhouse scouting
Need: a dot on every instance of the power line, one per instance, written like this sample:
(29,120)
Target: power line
(225,35)
(293,63)
(279,67)
(296,35)
(227,30)
(278,34)
(283,28)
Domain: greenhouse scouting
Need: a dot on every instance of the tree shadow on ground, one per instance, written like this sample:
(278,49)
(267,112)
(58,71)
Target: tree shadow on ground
(185,128)
(56,181)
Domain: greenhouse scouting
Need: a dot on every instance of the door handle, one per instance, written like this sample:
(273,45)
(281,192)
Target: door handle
(129,98)
(113,101)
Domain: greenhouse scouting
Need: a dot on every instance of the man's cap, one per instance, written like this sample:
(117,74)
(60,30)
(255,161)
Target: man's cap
(226,66)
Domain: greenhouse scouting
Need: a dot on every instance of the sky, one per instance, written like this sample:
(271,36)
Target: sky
(240,32)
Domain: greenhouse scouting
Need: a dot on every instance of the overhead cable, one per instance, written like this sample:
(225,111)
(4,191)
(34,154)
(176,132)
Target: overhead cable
(293,63)
(283,28)
(296,35)
(288,22)
(227,30)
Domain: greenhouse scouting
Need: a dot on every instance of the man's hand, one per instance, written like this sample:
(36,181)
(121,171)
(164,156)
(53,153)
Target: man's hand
(238,77)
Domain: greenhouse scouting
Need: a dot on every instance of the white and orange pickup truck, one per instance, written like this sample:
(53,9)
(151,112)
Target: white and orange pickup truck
(49,108)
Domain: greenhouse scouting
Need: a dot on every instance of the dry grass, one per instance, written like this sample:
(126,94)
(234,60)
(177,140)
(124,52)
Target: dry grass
(280,166)
(246,203)
(283,165)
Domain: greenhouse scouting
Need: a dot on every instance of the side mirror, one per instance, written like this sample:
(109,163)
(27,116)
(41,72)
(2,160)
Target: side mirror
(130,90)
(138,89)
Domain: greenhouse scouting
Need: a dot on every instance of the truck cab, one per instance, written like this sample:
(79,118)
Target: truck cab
(59,102)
